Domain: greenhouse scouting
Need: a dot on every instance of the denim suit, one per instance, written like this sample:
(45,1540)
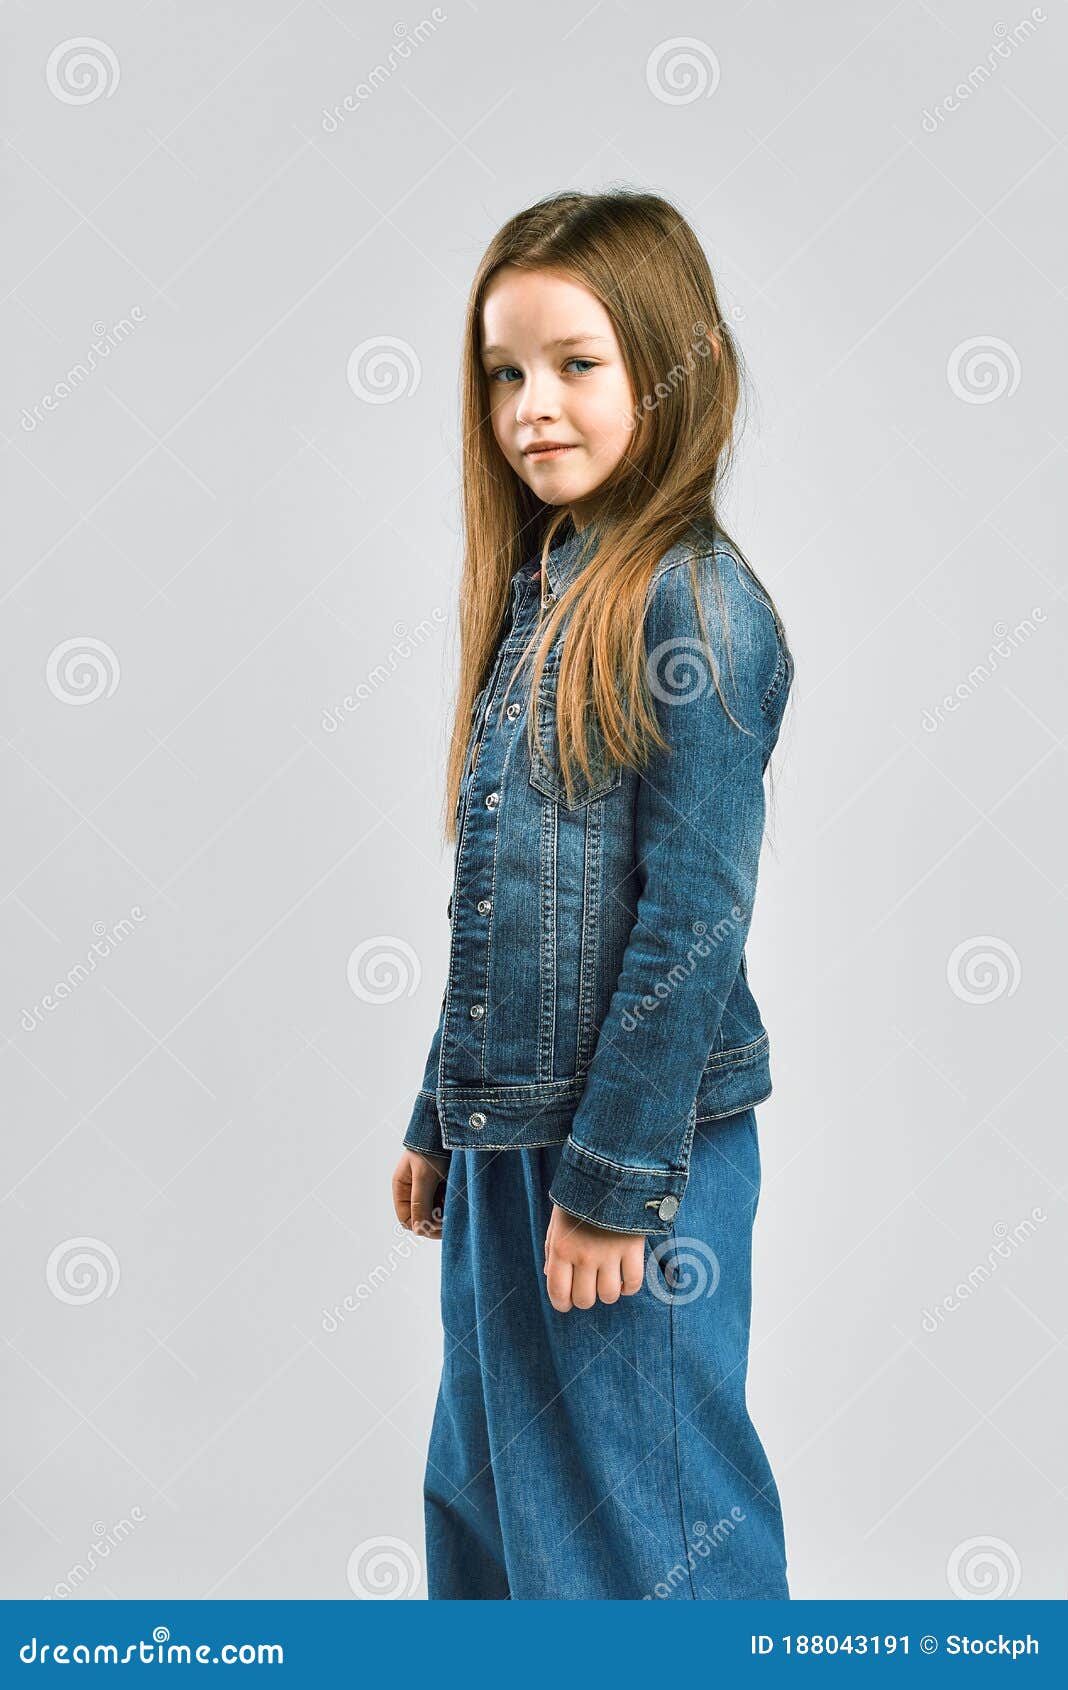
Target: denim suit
(597,994)
(599,1047)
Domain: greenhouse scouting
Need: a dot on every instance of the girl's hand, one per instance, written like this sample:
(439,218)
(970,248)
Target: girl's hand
(416,1179)
(584,1263)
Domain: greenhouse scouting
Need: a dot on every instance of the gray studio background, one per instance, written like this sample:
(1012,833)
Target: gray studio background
(245,511)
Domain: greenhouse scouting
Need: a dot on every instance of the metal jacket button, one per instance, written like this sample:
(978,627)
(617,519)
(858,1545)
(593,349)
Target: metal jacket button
(477,1011)
(484,906)
(476,1120)
(669,1208)
(492,800)
(513,711)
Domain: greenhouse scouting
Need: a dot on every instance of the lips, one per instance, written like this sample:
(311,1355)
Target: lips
(548,448)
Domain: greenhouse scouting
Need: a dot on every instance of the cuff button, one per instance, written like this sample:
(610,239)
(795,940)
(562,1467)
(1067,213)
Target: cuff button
(668,1209)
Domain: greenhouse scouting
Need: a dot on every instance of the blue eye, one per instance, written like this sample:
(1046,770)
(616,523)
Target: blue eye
(504,371)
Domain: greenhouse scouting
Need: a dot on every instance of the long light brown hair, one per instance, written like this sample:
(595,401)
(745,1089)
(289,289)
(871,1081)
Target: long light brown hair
(637,254)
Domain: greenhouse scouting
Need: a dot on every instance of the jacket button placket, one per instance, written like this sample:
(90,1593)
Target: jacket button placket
(486,768)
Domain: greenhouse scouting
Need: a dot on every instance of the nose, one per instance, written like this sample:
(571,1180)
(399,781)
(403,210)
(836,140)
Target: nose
(537,400)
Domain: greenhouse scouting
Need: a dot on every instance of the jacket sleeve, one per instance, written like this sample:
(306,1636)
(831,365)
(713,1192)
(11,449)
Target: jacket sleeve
(699,822)
(424,1129)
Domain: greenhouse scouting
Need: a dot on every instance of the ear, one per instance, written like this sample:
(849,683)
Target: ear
(707,340)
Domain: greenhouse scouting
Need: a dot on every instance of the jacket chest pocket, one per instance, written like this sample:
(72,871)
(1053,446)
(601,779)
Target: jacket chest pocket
(545,774)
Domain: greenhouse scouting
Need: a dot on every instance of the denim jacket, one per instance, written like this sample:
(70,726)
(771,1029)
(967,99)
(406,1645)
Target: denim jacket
(597,993)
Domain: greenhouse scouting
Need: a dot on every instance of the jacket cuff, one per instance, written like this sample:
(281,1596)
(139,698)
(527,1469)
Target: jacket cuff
(424,1128)
(609,1194)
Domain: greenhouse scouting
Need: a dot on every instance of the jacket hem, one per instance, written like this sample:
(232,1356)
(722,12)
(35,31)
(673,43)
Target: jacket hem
(735,1080)
(493,1117)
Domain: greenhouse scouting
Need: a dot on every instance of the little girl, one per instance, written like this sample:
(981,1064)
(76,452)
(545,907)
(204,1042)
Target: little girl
(589,1092)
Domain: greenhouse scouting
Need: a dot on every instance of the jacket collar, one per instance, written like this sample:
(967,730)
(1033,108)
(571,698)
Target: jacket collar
(567,558)
(563,561)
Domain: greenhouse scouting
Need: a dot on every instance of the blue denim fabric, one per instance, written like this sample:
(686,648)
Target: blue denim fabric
(597,995)
(607,1453)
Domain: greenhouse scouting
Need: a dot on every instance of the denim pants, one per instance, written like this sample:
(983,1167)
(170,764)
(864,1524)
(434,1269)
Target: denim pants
(606,1452)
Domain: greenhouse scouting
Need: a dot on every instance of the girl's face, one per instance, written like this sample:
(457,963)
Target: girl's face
(555,373)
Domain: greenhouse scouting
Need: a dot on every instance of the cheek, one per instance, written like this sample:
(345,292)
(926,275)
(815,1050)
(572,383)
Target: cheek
(498,419)
(614,424)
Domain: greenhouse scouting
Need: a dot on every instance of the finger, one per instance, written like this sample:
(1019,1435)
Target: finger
(584,1286)
(438,1211)
(424,1185)
(634,1268)
(609,1282)
(402,1197)
(558,1283)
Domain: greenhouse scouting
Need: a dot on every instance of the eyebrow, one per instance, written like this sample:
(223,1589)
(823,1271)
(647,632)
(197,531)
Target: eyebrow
(568,340)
